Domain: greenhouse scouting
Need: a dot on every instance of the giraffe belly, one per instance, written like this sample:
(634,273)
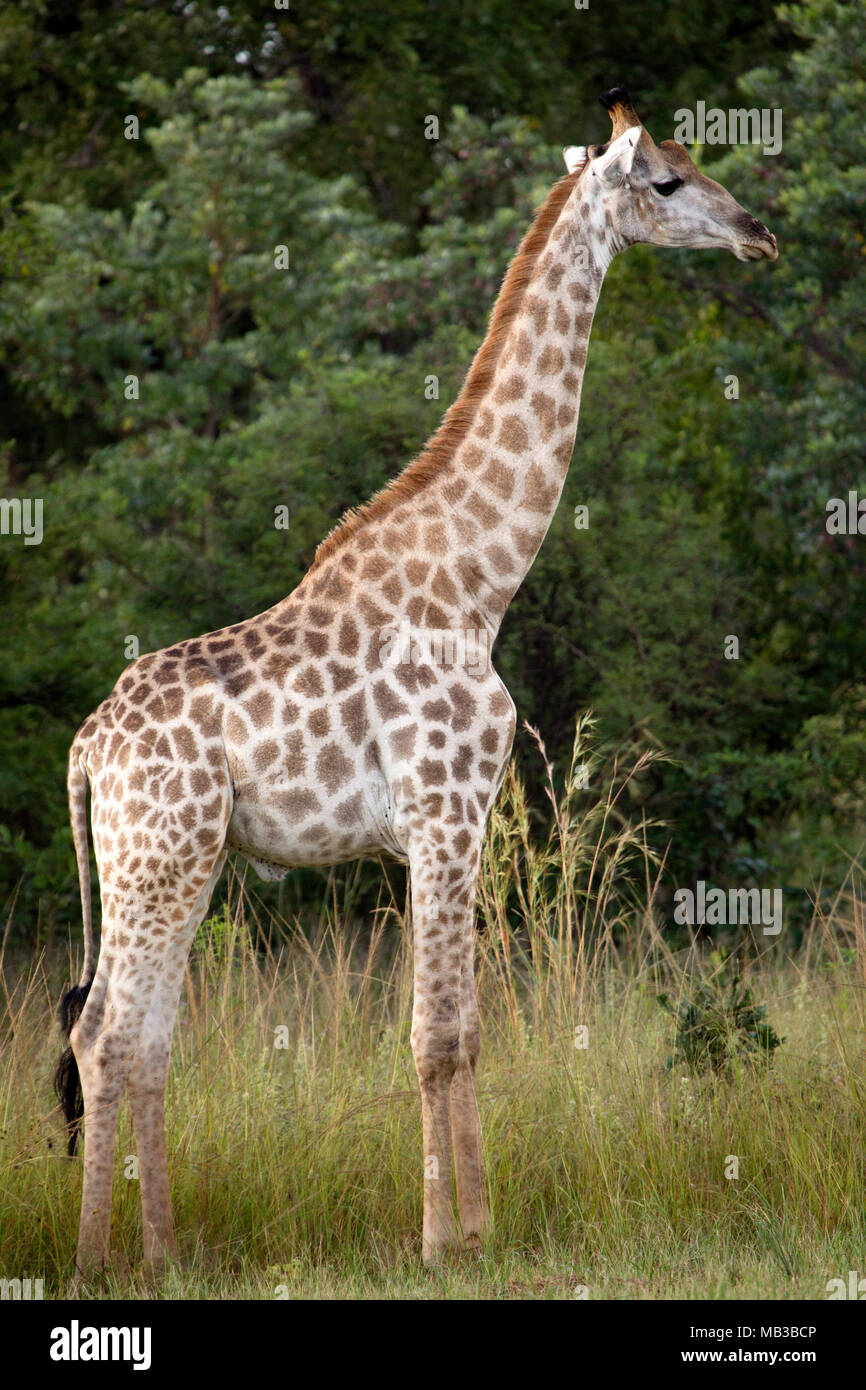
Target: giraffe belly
(275,837)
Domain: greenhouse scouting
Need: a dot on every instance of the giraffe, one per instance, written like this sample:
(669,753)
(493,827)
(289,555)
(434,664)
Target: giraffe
(362,714)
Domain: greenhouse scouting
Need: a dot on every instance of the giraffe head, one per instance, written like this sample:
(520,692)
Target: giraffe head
(653,193)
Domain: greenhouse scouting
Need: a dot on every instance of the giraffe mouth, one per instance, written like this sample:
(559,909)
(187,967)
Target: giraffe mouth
(757,250)
(758,245)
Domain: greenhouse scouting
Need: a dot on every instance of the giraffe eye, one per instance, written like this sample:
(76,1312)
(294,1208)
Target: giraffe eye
(668,187)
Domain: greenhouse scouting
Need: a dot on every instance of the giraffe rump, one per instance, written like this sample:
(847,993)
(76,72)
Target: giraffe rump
(67,1082)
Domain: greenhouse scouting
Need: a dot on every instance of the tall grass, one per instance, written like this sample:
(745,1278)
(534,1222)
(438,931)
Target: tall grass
(294,1117)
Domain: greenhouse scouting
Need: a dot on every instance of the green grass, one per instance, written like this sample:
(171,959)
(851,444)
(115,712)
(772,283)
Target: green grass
(299,1168)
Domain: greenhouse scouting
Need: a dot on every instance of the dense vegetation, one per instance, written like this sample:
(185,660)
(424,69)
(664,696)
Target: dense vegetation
(305,387)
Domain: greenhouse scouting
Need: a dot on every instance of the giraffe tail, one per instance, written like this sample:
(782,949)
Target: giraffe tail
(67,1082)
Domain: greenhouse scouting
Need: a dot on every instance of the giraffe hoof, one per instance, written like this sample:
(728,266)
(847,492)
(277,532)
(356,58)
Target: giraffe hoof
(433,1252)
(433,1255)
(154,1270)
(89,1276)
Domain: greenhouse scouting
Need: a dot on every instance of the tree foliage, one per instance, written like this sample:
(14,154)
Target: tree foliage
(169,383)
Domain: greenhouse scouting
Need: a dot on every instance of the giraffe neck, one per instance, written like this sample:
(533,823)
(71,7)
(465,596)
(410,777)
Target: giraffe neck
(506,477)
(465,520)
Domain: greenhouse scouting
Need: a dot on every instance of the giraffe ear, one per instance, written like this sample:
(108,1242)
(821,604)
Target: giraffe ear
(615,163)
(575,157)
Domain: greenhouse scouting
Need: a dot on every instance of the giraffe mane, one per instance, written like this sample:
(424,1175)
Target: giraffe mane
(458,418)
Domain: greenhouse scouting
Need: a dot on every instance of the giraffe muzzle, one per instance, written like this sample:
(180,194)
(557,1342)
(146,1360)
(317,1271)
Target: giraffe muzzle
(758,245)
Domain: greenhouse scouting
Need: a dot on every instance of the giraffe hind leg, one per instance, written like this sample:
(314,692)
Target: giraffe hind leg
(148,1078)
(100,1042)
(123,1037)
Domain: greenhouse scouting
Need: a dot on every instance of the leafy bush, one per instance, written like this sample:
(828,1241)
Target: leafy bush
(718,1023)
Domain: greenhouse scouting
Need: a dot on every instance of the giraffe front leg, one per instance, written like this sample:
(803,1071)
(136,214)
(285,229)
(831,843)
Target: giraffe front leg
(465,1122)
(439,1231)
(147,1085)
(435,1046)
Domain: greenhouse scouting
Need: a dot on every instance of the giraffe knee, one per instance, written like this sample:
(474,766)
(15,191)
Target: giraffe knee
(103,1062)
(436,1039)
(148,1074)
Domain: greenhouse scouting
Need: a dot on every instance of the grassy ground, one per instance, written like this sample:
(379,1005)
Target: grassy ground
(296,1168)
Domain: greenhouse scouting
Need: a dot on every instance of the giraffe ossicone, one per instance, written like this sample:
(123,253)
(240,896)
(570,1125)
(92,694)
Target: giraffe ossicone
(291,740)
